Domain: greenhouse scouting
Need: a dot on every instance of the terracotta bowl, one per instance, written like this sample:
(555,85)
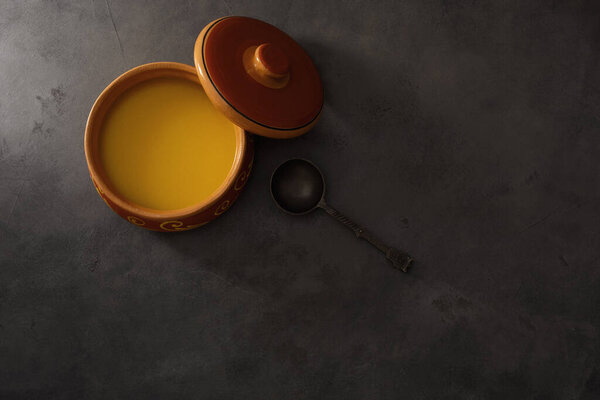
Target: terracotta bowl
(161,220)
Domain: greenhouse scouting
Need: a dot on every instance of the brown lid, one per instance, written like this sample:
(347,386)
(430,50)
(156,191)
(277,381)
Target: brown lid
(259,77)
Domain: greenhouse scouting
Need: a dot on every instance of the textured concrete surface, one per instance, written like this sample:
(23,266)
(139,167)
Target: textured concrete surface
(467,133)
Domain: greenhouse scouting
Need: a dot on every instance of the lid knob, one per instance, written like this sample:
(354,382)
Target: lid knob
(268,65)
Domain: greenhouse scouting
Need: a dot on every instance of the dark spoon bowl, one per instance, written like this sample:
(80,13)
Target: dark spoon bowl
(297,186)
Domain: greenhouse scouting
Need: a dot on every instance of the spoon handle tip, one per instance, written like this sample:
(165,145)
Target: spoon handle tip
(399,259)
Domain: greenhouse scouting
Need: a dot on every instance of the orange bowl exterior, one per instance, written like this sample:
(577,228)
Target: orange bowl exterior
(160,220)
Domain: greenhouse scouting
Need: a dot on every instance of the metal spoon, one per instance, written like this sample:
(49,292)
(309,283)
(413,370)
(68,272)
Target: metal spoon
(298,187)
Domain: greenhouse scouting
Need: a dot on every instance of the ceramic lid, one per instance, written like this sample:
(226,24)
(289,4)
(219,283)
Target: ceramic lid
(259,77)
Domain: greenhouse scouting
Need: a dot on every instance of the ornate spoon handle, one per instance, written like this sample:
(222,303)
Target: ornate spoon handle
(400,260)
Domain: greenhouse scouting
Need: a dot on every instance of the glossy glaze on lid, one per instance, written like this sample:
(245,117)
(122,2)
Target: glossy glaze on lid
(280,112)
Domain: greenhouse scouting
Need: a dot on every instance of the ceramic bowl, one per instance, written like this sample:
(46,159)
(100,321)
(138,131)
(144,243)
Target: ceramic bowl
(162,220)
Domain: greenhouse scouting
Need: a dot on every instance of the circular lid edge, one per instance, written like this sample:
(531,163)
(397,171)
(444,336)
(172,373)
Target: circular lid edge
(227,109)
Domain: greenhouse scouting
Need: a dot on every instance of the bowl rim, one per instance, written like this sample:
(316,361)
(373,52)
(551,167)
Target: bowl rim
(94,122)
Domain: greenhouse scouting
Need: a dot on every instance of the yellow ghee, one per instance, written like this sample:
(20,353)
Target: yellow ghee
(164,146)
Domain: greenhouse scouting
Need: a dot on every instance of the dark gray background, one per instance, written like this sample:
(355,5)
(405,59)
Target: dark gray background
(466,133)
